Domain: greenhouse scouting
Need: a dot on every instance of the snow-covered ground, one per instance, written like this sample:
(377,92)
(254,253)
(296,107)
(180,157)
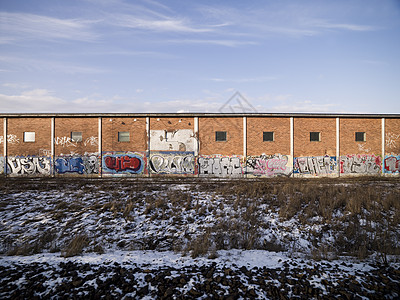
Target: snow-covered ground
(185,239)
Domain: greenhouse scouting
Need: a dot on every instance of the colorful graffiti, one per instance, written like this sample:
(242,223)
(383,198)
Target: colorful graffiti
(171,162)
(120,163)
(77,164)
(392,164)
(268,165)
(29,165)
(224,166)
(177,140)
(360,164)
(315,165)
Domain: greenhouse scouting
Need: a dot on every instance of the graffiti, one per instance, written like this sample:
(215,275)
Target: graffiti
(132,163)
(360,164)
(361,148)
(77,164)
(29,165)
(65,141)
(1,165)
(392,164)
(92,141)
(11,139)
(392,139)
(220,166)
(172,163)
(178,140)
(315,165)
(44,152)
(268,165)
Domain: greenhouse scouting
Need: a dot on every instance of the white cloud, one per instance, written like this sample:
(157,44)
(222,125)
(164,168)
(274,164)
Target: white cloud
(24,26)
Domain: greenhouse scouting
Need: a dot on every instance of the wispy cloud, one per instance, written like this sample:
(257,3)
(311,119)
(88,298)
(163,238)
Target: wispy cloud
(244,80)
(25,26)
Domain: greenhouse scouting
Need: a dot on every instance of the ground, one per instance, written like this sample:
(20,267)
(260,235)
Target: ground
(200,238)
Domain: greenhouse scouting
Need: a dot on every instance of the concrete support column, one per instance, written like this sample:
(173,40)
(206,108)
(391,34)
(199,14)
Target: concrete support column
(383,145)
(338,145)
(52,129)
(148,143)
(99,149)
(245,143)
(292,142)
(196,134)
(5,144)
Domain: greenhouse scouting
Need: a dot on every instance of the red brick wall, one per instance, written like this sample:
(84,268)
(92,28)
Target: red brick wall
(233,127)
(138,136)
(171,124)
(62,133)
(302,144)
(42,129)
(255,129)
(392,136)
(372,128)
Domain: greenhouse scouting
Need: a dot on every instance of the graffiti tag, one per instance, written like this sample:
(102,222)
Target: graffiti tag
(392,164)
(11,139)
(268,165)
(29,165)
(360,164)
(220,166)
(315,165)
(65,141)
(172,163)
(128,163)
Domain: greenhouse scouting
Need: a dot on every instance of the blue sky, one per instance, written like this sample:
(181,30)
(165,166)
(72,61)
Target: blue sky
(192,56)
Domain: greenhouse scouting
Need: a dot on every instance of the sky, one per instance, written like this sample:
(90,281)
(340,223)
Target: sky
(149,56)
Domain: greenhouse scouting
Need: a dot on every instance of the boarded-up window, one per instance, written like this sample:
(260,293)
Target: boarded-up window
(76,136)
(123,136)
(220,136)
(29,137)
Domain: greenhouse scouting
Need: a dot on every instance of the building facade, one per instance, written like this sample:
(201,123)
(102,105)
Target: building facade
(203,145)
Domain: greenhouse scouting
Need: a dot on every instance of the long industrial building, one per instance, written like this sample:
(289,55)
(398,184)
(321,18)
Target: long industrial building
(189,144)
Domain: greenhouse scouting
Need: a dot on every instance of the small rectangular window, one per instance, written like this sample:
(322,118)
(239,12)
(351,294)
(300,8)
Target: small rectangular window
(220,136)
(360,137)
(315,136)
(29,137)
(76,136)
(123,136)
(268,136)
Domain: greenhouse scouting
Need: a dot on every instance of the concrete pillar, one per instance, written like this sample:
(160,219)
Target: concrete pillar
(383,145)
(292,142)
(5,144)
(196,134)
(338,145)
(148,143)
(52,126)
(99,149)
(245,144)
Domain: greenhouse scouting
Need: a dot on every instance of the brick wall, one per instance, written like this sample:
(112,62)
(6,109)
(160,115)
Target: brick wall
(392,136)
(255,129)
(137,129)
(171,124)
(372,128)
(233,127)
(302,144)
(16,128)
(62,133)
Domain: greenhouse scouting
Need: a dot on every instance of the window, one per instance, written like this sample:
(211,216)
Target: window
(123,136)
(268,136)
(315,136)
(29,137)
(360,137)
(220,136)
(76,136)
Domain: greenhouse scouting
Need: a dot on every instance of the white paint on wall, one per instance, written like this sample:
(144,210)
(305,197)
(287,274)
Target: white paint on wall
(177,140)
